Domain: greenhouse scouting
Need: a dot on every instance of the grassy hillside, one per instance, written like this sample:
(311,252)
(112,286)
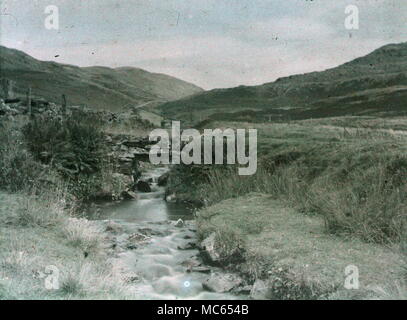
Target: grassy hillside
(97,87)
(327,193)
(374,84)
(353,177)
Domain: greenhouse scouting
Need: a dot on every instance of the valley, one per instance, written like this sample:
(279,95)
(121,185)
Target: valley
(78,190)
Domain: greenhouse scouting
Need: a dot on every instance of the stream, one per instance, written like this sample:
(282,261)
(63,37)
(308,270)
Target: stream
(156,254)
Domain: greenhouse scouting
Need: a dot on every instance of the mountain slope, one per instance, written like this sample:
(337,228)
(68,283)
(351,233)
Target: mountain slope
(375,83)
(98,87)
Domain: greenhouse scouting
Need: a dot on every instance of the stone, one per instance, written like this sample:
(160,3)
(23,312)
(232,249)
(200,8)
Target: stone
(134,240)
(243,290)
(126,157)
(114,227)
(163,180)
(209,250)
(171,198)
(137,142)
(222,282)
(131,278)
(191,263)
(179,223)
(128,195)
(201,269)
(187,246)
(143,186)
(260,290)
(150,232)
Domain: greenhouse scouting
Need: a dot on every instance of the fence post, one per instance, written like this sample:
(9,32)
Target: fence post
(10,89)
(7,88)
(29,106)
(63,105)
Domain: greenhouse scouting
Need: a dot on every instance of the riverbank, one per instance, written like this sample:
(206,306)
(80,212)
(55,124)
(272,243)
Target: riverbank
(51,165)
(289,255)
(46,254)
(331,188)
(288,232)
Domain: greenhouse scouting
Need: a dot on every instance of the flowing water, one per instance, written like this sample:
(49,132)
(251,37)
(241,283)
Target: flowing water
(158,257)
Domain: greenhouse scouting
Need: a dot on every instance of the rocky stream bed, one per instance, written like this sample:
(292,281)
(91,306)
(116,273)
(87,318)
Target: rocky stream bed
(154,246)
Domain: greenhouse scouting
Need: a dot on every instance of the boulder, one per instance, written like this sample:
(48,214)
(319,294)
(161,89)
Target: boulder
(179,223)
(114,227)
(163,180)
(191,263)
(171,198)
(143,186)
(260,290)
(135,240)
(222,282)
(209,251)
(128,195)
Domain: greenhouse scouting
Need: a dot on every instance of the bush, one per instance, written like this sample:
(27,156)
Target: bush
(18,169)
(73,146)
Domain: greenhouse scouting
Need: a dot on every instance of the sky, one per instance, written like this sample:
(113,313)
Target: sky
(211,43)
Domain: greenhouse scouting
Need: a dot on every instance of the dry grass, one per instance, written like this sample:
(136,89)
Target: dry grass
(45,237)
(83,234)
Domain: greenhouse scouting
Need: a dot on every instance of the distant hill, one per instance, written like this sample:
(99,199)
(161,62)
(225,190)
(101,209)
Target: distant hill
(97,87)
(373,84)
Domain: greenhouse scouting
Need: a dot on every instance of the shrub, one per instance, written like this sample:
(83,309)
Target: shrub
(18,169)
(73,146)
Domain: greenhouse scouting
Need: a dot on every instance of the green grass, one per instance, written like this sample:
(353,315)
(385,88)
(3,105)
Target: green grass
(38,204)
(295,253)
(324,196)
(355,180)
